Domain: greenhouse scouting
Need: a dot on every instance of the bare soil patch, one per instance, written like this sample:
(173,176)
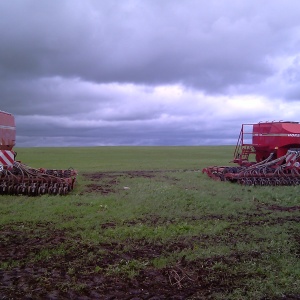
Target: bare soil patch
(45,263)
(106,182)
(41,262)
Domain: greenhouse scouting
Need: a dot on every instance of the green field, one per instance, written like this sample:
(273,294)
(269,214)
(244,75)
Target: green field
(145,223)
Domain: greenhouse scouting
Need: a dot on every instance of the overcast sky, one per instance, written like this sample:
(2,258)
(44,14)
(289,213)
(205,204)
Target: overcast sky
(147,72)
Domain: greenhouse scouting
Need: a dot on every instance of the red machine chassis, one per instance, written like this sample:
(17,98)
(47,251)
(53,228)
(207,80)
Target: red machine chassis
(276,148)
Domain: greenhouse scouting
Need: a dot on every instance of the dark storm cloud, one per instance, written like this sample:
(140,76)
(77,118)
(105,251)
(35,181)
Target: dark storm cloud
(210,45)
(146,72)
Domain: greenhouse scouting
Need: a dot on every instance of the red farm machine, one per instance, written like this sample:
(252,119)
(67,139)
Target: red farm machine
(17,178)
(275,147)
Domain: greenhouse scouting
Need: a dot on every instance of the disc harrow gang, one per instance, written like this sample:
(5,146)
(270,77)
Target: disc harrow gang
(23,180)
(281,171)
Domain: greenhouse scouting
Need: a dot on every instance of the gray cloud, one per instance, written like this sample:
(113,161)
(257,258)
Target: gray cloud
(146,72)
(210,46)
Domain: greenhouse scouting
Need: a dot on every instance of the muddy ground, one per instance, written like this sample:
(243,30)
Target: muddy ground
(45,263)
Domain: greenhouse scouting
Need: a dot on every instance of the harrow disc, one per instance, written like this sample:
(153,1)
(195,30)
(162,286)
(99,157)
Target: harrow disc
(23,180)
(269,173)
